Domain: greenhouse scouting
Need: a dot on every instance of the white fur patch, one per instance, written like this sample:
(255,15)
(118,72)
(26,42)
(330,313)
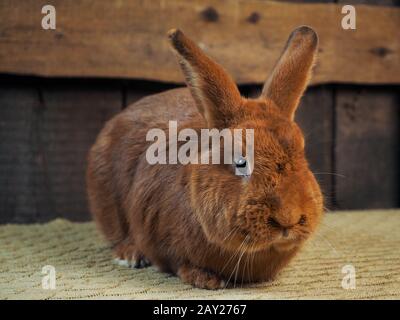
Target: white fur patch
(122,262)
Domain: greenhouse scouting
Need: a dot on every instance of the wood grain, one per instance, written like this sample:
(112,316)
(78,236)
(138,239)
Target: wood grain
(127,38)
(46,130)
(367,148)
(18,108)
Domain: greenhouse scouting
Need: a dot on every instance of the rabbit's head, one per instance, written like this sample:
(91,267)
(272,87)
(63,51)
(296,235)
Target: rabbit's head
(280,203)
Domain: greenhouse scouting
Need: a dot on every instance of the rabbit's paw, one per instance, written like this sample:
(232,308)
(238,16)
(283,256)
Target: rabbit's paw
(200,278)
(127,255)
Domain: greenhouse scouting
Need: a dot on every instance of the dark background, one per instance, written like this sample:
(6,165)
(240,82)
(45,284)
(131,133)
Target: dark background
(47,125)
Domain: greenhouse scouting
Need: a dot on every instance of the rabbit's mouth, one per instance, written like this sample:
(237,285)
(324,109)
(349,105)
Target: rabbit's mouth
(287,238)
(278,241)
(281,239)
(253,232)
(285,245)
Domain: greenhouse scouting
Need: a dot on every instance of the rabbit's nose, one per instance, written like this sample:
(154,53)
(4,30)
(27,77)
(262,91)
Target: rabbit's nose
(284,228)
(278,223)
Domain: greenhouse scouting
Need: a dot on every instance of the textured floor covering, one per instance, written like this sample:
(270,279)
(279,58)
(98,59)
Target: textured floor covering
(369,241)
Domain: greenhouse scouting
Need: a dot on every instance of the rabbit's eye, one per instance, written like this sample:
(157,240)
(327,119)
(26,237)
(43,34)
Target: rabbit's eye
(240,162)
(302,220)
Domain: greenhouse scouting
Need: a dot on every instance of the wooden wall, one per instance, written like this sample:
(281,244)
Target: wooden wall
(47,125)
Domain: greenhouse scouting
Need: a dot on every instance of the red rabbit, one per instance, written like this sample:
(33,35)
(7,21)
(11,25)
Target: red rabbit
(202,222)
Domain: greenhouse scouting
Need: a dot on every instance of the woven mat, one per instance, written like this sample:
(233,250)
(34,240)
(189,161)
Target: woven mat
(369,241)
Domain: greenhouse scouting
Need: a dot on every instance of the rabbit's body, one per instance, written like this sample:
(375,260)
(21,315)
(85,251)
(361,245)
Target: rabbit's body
(202,221)
(147,214)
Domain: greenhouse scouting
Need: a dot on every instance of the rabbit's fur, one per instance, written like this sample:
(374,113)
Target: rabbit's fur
(201,221)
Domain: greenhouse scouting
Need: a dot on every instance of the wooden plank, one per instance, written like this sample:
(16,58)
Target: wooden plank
(367,147)
(370,2)
(47,130)
(135,90)
(121,39)
(18,105)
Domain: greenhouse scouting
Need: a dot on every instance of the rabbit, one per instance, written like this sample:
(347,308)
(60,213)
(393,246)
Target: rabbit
(202,222)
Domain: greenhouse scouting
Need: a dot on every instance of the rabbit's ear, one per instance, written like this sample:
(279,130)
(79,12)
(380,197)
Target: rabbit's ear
(215,93)
(291,74)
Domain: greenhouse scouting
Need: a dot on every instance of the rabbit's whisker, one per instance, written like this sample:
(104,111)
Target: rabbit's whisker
(329,243)
(240,258)
(330,173)
(237,252)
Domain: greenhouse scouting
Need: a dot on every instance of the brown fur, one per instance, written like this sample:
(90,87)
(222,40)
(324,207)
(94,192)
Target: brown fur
(202,222)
